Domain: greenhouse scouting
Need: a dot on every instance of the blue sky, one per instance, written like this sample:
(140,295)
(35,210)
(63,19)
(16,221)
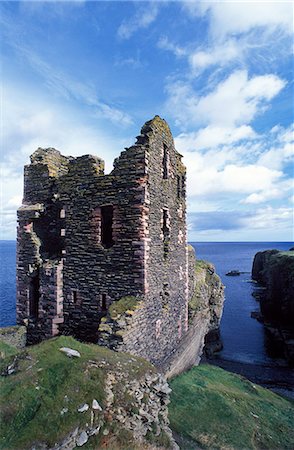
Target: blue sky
(84,76)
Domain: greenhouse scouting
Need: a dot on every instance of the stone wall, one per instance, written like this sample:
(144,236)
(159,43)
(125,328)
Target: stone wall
(126,324)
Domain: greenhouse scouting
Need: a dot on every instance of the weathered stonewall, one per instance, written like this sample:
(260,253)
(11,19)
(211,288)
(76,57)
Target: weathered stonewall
(89,241)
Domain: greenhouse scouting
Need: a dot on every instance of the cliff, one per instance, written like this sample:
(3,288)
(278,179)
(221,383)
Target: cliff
(208,298)
(64,394)
(275,271)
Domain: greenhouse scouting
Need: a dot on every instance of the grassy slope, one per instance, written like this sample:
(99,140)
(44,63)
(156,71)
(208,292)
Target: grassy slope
(48,381)
(212,408)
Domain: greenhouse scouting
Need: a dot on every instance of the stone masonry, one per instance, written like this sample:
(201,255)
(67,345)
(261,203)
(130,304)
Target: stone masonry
(87,240)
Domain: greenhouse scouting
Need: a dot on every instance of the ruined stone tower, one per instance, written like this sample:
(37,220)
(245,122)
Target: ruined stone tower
(87,240)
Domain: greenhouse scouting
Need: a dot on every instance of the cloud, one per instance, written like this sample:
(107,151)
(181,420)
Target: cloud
(165,44)
(234,165)
(228,17)
(261,218)
(232,179)
(282,152)
(219,55)
(212,136)
(143,18)
(246,97)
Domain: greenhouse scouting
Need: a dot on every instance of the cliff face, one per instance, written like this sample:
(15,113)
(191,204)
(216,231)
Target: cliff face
(208,297)
(275,271)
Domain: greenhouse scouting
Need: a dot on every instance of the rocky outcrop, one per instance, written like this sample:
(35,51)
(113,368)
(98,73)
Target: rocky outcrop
(274,270)
(208,298)
(104,398)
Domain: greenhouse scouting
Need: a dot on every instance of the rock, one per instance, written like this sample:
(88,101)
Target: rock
(10,369)
(256,315)
(164,388)
(63,411)
(70,352)
(95,405)
(275,271)
(94,431)
(82,439)
(105,432)
(83,408)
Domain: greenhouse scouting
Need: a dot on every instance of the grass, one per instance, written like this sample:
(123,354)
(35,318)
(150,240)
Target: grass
(47,381)
(7,350)
(215,409)
(123,305)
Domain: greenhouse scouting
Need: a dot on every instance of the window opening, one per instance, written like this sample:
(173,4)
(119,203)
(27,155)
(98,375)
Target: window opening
(103,302)
(165,162)
(106,226)
(165,232)
(34,296)
(75,296)
(183,190)
(178,186)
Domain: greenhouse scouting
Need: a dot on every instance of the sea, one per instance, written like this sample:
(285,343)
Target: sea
(244,338)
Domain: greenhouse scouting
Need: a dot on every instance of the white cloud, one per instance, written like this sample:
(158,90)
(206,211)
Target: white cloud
(219,55)
(235,101)
(269,217)
(231,179)
(177,50)
(236,166)
(234,17)
(142,19)
(213,136)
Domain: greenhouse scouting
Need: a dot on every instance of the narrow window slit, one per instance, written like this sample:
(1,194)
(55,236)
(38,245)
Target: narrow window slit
(165,162)
(178,186)
(107,226)
(165,232)
(76,297)
(103,303)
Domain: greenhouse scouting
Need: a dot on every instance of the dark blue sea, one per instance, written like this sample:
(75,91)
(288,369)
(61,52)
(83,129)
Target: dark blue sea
(244,338)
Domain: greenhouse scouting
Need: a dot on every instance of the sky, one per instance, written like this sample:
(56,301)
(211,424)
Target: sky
(83,77)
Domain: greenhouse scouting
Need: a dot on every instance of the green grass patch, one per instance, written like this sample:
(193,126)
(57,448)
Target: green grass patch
(46,382)
(200,265)
(7,350)
(217,409)
(123,305)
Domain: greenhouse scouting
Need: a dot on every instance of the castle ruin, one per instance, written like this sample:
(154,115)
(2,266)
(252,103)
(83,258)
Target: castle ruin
(104,257)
